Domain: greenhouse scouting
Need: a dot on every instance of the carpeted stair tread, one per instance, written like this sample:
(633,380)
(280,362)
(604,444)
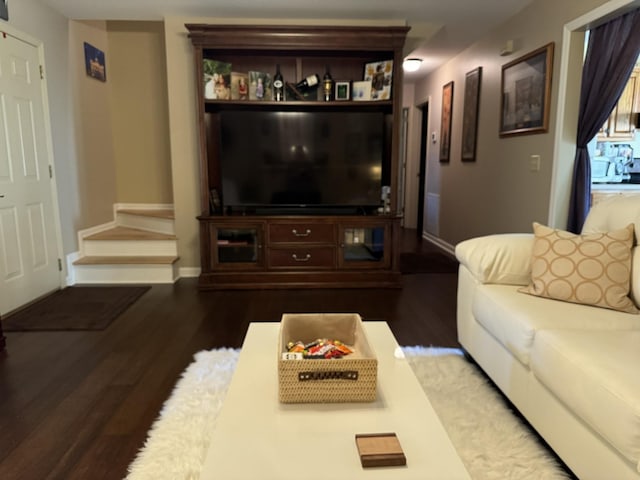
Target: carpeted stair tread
(165,213)
(127,233)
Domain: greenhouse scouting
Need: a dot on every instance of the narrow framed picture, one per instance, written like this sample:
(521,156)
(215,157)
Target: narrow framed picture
(470,113)
(342,91)
(4,9)
(361,91)
(94,62)
(526,93)
(259,85)
(239,86)
(445,122)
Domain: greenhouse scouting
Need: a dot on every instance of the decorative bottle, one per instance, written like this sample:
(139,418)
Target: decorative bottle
(278,86)
(327,86)
(308,83)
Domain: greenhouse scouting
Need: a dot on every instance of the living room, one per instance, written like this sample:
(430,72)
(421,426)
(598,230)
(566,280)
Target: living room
(102,144)
(103,152)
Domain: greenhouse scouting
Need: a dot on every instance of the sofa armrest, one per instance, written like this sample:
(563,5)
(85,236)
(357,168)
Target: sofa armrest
(503,258)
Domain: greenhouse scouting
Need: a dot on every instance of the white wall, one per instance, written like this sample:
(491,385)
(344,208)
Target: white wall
(42,23)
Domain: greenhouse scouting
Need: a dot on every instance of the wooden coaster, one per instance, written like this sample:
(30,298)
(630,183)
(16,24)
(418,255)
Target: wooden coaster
(380,450)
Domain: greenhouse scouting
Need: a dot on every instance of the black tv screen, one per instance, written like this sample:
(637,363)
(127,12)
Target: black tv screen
(301,159)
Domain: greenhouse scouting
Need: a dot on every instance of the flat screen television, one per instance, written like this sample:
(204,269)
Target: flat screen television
(317,161)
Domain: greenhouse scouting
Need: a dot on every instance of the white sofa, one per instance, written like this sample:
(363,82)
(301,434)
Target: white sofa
(572,370)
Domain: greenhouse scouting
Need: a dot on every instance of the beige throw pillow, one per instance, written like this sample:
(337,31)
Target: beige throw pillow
(593,269)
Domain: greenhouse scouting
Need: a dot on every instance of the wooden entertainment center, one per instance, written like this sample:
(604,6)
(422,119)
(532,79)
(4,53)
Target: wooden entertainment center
(311,248)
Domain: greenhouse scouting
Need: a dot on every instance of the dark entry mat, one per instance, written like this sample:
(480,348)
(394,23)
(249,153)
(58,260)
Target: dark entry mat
(75,308)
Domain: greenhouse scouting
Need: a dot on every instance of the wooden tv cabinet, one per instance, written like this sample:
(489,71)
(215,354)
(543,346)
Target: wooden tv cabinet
(299,251)
(315,250)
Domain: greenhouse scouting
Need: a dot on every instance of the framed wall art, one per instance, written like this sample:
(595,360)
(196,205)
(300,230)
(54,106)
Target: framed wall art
(470,114)
(94,62)
(445,122)
(526,93)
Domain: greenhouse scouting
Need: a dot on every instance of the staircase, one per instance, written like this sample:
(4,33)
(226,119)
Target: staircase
(139,247)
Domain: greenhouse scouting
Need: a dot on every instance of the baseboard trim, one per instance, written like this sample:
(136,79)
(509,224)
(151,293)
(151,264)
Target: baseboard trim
(71,271)
(141,206)
(447,247)
(188,272)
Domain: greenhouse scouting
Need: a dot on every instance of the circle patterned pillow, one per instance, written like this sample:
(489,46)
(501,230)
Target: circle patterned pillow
(592,269)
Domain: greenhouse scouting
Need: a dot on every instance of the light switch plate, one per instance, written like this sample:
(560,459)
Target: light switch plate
(534,163)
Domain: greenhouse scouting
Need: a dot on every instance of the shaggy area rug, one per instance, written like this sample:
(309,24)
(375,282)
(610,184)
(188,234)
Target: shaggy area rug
(491,440)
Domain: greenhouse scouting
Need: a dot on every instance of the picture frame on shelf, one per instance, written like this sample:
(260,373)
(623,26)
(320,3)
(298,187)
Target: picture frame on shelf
(380,74)
(361,91)
(217,79)
(526,93)
(94,62)
(239,86)
(470,114)
(342,91)
(259,86)
(445,122)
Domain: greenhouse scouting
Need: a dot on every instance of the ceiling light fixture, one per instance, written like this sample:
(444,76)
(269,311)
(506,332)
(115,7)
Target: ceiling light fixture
(411,64)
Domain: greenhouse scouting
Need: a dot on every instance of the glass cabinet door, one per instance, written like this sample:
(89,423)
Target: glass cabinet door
(237,245)
(365,246)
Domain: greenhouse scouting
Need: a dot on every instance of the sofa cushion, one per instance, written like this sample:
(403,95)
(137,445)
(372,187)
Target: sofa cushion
(593,269)
(595,374)
(501,258)
(614,213)
(513,319)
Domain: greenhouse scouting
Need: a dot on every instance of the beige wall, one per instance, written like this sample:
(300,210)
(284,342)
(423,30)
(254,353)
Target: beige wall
(497,192)
(92,122)
(140,114)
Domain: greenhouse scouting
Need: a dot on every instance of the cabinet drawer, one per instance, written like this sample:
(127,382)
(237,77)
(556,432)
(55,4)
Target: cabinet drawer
(311,257)
(301,233)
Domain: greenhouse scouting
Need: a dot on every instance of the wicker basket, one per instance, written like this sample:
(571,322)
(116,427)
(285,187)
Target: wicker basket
(349,379)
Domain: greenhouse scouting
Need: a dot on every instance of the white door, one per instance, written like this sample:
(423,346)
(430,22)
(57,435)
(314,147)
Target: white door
(28,241)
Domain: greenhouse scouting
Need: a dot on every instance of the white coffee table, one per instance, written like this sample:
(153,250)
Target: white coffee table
(257,437)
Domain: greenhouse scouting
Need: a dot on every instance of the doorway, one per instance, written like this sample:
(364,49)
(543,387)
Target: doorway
(422,171)
(30,265)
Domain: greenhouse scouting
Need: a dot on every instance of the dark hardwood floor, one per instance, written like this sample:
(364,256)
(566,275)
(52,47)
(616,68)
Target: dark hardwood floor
(78,405)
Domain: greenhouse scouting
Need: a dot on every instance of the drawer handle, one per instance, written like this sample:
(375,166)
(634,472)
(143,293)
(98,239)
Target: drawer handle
(305,259)
(305,234)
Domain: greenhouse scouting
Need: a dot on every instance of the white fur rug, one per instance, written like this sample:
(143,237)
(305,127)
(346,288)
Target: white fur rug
(492,442)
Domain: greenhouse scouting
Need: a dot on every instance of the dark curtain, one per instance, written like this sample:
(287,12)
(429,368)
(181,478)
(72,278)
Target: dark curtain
(611,54)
